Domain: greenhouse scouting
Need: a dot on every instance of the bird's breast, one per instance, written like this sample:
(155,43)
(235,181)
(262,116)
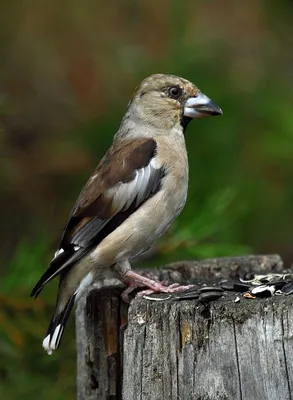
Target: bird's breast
(173,193)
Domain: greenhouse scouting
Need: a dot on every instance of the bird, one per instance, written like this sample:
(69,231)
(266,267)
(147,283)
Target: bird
(136,191)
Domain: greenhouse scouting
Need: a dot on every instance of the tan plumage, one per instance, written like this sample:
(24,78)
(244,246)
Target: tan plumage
(134,194)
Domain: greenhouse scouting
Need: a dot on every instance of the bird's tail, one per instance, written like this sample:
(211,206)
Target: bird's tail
(56,328)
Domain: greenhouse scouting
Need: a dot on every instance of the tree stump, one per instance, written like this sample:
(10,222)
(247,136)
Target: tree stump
(184,350)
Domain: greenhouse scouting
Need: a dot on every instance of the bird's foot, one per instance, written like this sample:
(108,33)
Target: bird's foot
(154,287)
(174,288)
(135,280)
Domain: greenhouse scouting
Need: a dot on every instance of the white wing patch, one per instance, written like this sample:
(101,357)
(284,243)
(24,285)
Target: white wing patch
(141,184)
(131,190)
(123,194)
(155,163)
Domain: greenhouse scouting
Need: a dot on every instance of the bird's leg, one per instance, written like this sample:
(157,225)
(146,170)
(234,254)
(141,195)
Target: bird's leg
(135,280)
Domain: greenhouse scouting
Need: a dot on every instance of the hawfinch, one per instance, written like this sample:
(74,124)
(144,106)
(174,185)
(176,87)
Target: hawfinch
(132,197)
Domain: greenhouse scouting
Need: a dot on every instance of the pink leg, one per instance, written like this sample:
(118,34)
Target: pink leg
(135,280)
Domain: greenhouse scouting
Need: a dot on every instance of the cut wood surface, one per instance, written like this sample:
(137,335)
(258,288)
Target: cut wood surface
(186,350)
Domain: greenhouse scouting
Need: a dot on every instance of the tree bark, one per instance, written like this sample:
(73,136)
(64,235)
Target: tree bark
(183,349)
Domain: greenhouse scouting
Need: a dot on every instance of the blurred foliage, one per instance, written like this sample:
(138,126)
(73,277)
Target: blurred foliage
(67,72)
(26,370)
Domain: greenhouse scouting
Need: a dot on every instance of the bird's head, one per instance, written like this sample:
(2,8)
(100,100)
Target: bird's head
(165,100)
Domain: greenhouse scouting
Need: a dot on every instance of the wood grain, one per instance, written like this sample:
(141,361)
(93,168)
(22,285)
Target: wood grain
(185,350)
(227,350)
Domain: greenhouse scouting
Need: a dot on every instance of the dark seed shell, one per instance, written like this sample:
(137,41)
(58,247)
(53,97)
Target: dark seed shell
(264,280)
(264,294)
(206,289)
(209,296)
(262,291)
(158,296)
(186,295)
(288,288)
(248,276)
(227,286)
(241,287)
(277,283)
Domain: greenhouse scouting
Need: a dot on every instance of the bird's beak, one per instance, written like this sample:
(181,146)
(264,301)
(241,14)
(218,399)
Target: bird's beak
(201,106)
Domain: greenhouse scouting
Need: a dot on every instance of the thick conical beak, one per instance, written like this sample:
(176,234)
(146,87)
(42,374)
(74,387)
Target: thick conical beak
(201,106)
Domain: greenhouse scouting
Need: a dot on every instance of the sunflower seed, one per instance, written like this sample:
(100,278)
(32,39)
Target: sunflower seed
(210,289)
(209,296)
(288,277)
(278,284)
(158,297)
(227,286)
(288,288)
(190,295)
(263,291)
(248,277)
(241,287)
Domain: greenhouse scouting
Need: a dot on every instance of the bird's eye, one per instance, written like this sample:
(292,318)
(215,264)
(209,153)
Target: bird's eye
(174,92)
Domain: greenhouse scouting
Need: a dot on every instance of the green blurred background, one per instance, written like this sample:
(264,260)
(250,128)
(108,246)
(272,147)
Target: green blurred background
(67,71)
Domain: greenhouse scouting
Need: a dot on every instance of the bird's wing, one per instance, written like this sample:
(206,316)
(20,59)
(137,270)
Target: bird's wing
(126,177)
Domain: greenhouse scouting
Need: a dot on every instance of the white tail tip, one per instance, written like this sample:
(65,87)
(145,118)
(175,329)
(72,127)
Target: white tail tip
(51,341)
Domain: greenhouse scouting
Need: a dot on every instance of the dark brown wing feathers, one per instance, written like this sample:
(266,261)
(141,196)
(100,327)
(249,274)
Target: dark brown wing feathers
(94,216)
(118,165)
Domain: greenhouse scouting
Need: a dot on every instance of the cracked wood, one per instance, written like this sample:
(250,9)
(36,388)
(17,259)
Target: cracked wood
(182,350)
(222,351)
